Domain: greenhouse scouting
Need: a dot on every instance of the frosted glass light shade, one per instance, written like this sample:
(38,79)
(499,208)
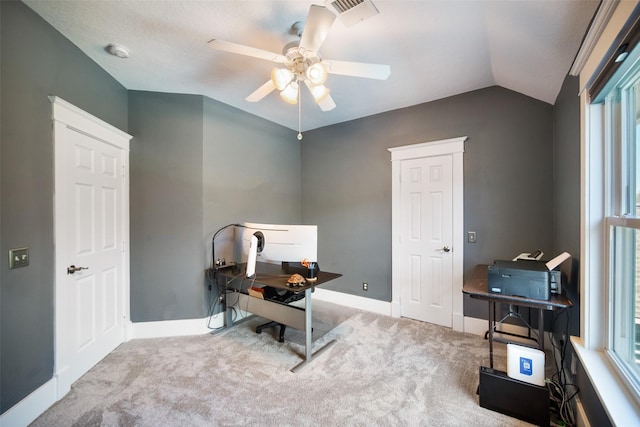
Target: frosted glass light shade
(317,74)
(290,93)
(319,92)
(281,77)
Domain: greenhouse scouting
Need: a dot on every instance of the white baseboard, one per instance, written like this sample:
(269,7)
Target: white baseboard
(473,325)
(353,301)
(28,409)
(581,416)
(174,328)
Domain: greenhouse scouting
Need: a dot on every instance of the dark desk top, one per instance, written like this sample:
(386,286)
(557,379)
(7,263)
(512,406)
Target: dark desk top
(276,276)
(477,286)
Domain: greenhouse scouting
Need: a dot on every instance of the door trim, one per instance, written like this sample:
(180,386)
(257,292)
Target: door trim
(67,116)
(455,148)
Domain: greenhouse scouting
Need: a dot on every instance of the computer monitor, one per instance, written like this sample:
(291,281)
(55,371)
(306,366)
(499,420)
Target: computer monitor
(281,242)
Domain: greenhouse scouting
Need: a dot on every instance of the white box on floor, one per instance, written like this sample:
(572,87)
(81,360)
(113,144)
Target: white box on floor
(525,364)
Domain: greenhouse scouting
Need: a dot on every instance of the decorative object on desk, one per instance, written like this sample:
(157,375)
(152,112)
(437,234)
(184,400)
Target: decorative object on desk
(295,280)
(301,268)
(311,272)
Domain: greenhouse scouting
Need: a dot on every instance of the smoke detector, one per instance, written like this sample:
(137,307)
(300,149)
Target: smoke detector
(117,50)
(351,12)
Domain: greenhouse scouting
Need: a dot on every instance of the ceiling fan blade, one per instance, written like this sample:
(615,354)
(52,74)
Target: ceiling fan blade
(261,92)
(316,28)
(246,50)
(327,104)
(358,69)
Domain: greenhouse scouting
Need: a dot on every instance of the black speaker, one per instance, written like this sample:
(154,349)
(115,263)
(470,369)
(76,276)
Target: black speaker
(518,399)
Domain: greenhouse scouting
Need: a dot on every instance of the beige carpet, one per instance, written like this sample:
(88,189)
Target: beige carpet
(381,372)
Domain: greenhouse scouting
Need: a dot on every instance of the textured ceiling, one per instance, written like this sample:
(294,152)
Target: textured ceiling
(435,49)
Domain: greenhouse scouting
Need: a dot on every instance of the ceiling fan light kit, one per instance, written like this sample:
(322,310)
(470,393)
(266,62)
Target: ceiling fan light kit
(302,62)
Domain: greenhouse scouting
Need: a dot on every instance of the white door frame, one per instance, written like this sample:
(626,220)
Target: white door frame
(454,147)
(66,115)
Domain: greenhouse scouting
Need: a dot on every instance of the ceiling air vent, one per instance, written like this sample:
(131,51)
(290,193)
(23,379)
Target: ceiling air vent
(351,12)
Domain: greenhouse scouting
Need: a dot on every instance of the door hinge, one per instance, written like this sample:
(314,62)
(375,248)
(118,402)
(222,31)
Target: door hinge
(123,174)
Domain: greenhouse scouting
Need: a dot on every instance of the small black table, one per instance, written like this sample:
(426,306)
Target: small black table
(496,390)
(477,287)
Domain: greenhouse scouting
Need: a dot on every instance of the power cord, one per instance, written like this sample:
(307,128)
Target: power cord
(562,392)
(213,242)
(216,300)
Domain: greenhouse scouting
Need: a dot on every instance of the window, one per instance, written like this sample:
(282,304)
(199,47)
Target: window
(622,222)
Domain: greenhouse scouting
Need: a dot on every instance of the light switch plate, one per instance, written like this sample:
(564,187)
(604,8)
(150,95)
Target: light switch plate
(18,257)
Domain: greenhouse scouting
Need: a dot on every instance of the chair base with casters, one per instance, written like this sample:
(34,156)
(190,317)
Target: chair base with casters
(269,325)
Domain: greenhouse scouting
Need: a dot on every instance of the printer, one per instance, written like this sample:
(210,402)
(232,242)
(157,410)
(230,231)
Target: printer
(524,278)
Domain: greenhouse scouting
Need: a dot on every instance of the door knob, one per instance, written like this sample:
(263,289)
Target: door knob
(72,269)
(446,249)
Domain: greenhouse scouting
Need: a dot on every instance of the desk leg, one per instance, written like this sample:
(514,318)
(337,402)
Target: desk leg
(308,330)
(492,313)
(308,343)
(228,313)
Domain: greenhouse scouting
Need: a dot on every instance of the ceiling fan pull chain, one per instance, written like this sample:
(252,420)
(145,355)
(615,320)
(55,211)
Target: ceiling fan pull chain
(299,115)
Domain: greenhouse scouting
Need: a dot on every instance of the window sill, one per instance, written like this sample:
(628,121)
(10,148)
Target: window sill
(612,392)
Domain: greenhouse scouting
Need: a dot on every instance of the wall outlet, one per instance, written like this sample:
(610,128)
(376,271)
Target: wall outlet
(365,286)
(472,237)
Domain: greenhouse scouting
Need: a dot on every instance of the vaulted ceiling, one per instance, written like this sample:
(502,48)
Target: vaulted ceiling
(435,48)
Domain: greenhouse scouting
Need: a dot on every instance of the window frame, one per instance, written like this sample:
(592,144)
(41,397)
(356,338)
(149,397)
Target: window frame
(620,165)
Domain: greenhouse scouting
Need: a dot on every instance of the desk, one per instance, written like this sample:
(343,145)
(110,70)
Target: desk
(477,287)
(276,276)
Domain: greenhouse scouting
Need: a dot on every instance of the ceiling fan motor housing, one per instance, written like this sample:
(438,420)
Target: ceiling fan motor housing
(299,60)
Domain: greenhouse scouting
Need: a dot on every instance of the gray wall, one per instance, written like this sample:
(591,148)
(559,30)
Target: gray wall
(166,206)
(197,165)
(507,177)
(251,173)
(36,62)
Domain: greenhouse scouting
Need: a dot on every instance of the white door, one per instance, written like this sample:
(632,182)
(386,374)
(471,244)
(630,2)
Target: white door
(427,232)
(426,239)
(91,225)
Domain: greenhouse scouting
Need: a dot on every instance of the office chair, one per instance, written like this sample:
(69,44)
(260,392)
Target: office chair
(270,324)
(286,297)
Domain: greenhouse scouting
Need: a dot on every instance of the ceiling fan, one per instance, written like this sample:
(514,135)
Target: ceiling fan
(302,64)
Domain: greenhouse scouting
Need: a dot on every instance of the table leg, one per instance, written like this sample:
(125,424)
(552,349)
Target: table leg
(541,328)
(492,314)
